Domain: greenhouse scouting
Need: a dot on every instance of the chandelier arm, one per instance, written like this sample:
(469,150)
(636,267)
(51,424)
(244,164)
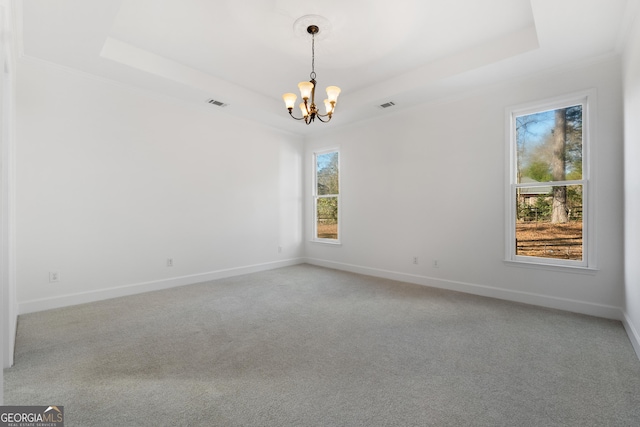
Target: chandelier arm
(325,115)
(291,114)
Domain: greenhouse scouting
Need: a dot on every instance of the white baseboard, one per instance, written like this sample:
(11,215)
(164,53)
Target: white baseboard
(575,306)
(138,288)
(634,337)
(12,331)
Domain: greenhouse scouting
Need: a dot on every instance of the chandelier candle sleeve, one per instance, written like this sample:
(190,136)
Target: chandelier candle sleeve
(328,108)
(289,99)
(332,93)
(308,108)
(305,89)
(303,110)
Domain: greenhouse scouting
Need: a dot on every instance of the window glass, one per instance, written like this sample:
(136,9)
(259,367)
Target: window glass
(327,218)
(549,145)
(548,186)
(326,197)
(327,173)
(537,235)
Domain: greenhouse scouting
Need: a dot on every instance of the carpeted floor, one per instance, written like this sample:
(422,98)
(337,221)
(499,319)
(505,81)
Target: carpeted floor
(307,346)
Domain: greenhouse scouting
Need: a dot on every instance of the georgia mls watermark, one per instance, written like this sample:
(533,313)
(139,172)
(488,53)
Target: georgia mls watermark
(31,416)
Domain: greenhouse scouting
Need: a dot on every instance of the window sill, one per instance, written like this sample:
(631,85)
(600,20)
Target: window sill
(326,242)
(552,267)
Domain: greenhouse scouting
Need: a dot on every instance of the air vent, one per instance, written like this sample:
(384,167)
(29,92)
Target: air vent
(387,104)
(217,103)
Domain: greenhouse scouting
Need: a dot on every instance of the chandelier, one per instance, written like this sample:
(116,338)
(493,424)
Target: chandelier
(308,108)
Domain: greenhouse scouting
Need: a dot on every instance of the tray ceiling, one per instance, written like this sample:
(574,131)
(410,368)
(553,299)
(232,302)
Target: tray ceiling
(247,53)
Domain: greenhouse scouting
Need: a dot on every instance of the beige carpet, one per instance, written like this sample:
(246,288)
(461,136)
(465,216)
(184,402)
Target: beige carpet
(307,346)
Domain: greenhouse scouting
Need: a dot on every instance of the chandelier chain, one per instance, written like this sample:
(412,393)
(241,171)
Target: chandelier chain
(313,56)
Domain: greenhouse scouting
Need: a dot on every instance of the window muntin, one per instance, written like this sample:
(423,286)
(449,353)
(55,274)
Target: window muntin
(326,198)
(548,185)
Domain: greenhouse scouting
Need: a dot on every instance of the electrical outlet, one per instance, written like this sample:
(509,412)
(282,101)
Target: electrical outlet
(436,264)
(169,262)
(54,276)
(415,259)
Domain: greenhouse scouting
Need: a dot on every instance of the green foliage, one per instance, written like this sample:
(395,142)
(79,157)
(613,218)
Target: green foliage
(524,212)
(538,170)
(574,201)
(543,208)
(328,209)
(539,211)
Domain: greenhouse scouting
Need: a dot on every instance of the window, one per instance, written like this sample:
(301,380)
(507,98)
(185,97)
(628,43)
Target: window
(549,184)
(326,196)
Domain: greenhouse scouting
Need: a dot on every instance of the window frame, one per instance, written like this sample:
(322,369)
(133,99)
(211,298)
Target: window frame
(588,101)
(316,196)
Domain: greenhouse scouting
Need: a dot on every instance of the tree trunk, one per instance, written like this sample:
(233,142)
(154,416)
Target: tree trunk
(558,165)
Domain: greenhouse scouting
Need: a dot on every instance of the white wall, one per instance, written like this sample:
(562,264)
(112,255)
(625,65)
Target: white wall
(631,72)
(8,316)
(112,182)
(429,182)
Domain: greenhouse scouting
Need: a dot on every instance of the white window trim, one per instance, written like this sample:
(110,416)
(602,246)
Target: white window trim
(588,100)
(314,195)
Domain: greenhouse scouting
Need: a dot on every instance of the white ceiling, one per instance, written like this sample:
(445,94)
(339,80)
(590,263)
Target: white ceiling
(247,53)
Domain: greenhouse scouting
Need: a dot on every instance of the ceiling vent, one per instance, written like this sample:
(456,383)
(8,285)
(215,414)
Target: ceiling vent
(387,105)
(216,103)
